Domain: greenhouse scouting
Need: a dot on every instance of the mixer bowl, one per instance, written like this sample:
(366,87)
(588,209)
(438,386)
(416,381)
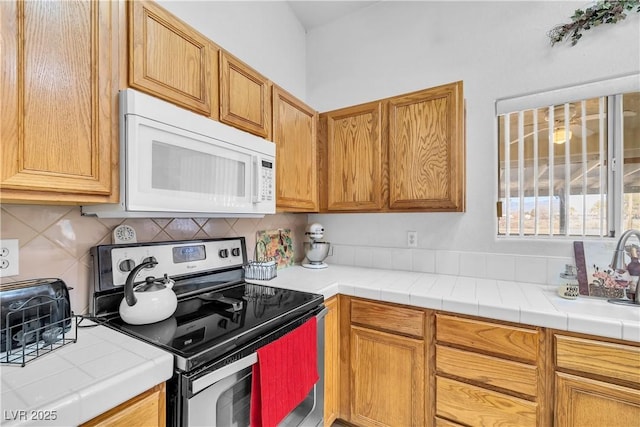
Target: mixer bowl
(316,251)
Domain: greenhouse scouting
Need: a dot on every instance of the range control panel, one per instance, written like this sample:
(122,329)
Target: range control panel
(175,258)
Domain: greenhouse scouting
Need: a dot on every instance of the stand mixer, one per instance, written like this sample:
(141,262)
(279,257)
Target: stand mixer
(315,250)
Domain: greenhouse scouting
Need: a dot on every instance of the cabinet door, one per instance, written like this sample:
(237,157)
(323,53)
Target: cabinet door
(294,132)
(144,410)
(355,158)
(331,362)
(169,59)
(59,103)
(586,402)
(387,383)
(426,150)
(245,97)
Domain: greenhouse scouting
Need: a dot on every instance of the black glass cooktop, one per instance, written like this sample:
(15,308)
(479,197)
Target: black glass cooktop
(212,324)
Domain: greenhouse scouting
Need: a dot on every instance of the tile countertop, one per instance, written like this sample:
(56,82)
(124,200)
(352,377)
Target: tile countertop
(526,303)
(81,380)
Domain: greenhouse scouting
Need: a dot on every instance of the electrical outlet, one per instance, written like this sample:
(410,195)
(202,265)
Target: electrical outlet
(9,259)
(412,239)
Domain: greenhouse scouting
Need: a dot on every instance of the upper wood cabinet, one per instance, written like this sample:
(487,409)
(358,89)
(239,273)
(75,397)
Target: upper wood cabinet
(59,101)
(245,96)
(405,153)
(353,147)
(426,150)
(170,60)
(294,132)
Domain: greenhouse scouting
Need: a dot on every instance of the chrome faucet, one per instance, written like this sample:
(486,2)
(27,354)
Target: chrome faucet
(619,265)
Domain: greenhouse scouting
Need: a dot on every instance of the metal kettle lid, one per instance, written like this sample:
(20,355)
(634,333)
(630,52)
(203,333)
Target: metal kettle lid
(152,284)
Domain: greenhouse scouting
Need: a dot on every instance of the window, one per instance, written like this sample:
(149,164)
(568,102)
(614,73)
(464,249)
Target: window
(570,168)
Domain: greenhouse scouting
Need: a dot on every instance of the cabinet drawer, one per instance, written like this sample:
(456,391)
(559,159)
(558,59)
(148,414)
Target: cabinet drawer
(509,341)
(470,405)
(391,318)
(506,374)
(612,360)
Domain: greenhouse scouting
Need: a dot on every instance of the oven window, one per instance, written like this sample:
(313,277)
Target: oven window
(228,403)
(233,405)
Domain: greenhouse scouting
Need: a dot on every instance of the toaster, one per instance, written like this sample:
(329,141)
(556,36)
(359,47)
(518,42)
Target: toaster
(32,311)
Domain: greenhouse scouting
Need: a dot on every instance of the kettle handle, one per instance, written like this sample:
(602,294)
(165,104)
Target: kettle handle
(128,286)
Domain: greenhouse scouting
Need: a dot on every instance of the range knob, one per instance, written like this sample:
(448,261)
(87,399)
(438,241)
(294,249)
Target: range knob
(126,265)
(149,259)
(224,253)
(235,252)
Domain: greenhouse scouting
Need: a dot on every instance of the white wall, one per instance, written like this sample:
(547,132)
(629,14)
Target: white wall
(499,49)
(264,34)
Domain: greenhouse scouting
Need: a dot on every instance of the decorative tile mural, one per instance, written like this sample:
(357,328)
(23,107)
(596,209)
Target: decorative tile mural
(55,240)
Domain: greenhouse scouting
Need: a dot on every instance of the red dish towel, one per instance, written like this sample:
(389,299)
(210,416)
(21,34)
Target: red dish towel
(286,371)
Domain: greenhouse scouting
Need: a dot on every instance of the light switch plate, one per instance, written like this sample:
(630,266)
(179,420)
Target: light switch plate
(9,257)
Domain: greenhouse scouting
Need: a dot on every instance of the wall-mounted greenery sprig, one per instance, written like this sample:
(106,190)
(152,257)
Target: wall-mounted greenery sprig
(603,12)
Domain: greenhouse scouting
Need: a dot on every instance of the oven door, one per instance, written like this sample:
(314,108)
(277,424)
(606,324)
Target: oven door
(223,397)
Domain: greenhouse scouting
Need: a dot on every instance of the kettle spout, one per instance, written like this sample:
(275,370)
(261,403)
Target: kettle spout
(129,295)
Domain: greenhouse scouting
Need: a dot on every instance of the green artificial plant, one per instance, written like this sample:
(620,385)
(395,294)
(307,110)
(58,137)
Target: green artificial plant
(603,12)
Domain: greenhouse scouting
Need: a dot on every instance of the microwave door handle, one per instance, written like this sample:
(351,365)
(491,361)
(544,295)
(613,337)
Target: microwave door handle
(257,179)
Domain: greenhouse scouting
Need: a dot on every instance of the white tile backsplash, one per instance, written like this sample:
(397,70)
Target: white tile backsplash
(532,269)
(473,264)
(401,259)
(479,265)
(501,266)
(382,258)
(363,257)
(55,240)
(448,262)
(424,260)
(555,266)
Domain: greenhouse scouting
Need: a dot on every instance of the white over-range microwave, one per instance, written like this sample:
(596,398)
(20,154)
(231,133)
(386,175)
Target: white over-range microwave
(175,163)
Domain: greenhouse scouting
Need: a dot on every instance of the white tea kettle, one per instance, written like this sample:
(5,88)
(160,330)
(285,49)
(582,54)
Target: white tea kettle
(150,301)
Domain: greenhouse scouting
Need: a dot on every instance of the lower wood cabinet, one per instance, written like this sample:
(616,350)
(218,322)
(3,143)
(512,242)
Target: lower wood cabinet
(331,362)
(587,402)
(406,366)
(145,410)
(597,382)
(387,388)
(477,406)
(383,358)
(489,373)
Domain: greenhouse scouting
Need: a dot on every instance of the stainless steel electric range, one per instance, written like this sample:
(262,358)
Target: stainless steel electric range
(219,323)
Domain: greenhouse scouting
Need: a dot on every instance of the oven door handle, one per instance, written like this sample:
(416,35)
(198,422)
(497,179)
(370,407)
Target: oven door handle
(199,384)
(207,380)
